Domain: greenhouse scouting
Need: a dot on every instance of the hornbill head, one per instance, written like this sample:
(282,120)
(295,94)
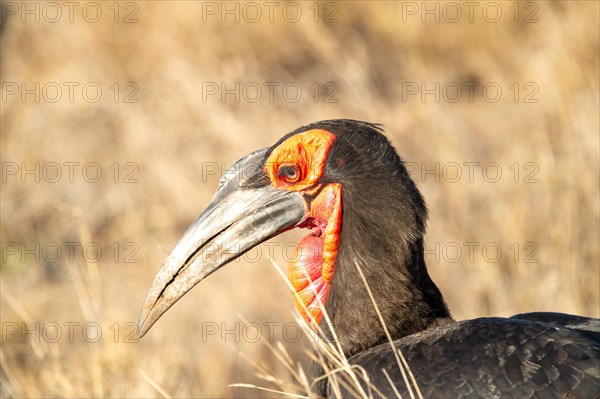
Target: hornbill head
(344,181)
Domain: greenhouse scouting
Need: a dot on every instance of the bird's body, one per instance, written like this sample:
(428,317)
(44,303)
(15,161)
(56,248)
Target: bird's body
(363,266)
(489,358)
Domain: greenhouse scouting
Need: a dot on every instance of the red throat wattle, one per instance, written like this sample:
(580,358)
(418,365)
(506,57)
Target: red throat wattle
(312,268)
(297,164)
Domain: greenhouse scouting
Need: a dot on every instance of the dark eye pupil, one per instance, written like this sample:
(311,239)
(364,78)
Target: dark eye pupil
(288,172)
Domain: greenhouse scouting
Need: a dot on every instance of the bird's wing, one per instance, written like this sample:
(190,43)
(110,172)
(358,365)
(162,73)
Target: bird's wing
(590,327)
(489,358)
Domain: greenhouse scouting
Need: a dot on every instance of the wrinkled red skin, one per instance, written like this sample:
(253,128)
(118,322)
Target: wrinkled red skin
(312,268)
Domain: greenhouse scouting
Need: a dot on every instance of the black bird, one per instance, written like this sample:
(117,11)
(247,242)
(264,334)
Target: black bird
(343,180)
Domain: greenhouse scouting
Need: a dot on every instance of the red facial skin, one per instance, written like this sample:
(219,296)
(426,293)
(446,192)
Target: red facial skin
(312,268)
(304,156)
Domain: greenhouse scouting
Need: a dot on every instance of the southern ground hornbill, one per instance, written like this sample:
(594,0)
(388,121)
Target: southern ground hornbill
(363,261)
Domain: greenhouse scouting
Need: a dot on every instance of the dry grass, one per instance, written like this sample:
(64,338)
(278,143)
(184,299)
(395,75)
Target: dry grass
(171,134)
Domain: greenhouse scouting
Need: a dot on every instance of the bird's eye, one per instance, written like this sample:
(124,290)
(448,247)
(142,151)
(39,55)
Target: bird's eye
(289,173)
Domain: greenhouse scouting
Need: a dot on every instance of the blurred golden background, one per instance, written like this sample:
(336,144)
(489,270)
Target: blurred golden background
(118,118)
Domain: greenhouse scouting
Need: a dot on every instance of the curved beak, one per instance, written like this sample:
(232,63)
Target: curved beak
(244,212)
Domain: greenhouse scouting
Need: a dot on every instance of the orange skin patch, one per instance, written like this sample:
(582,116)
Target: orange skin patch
(328,206)
(296,165)
(306,152)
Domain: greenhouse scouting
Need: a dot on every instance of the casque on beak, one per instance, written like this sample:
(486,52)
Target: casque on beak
(245,211)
